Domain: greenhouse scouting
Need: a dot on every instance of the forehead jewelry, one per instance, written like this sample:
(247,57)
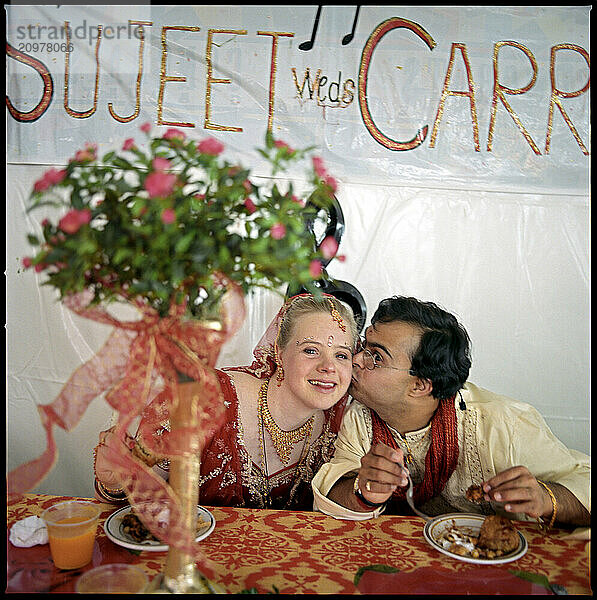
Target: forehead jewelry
(336,317)
(330,340)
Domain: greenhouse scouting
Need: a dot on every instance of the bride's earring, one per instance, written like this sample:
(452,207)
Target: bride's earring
(279,374)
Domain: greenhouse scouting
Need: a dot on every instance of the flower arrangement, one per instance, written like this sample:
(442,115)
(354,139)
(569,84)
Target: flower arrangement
(156,224)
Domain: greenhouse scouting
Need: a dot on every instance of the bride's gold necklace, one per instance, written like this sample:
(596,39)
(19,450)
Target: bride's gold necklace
(283,440)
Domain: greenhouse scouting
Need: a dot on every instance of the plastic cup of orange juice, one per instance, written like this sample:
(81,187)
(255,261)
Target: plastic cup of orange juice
(117,578)
(71,532)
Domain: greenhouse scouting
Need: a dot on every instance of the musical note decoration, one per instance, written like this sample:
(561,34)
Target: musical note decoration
(307,45)
(330,222)
(349,36)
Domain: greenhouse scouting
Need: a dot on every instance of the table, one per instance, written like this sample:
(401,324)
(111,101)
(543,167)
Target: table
(308,552)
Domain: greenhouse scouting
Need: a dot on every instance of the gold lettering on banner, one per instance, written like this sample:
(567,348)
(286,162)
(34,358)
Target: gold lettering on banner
(207,124)
(446,92)
(348,92)
(86,113)
(322,81)
(499,90)
(37,111)
(556,94)
(166,78)
(337,101)
(372,42)
(272,72)
(306,80)
(135,114)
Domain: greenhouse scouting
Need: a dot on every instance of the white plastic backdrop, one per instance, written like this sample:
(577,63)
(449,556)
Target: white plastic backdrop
(487,213)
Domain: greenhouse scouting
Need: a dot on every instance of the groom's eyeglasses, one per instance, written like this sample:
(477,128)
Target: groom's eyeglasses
(370,360)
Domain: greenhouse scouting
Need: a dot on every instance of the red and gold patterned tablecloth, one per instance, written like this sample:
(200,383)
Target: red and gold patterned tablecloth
(301,552)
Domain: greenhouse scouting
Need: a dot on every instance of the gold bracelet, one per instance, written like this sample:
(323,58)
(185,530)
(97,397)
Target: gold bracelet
(108,494)
(143,454)
(554,512)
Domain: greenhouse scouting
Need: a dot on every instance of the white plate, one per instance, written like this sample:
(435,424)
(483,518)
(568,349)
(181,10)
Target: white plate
(468,522)
(113,529)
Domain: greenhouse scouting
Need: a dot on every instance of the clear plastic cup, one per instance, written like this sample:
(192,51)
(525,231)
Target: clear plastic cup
(118,578)
(71,532)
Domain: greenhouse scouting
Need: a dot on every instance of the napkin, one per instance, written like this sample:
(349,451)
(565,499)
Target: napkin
(29,532)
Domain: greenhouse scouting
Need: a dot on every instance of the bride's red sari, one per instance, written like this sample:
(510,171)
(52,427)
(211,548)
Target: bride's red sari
(229,477)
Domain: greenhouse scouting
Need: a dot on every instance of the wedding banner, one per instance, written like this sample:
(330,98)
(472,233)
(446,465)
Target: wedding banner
(459,137)
(450,96)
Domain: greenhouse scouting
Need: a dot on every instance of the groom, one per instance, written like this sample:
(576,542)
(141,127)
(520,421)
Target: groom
(415,411)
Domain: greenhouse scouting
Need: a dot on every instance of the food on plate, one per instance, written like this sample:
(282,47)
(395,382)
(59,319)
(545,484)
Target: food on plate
(475,494)
(497,533)
(132,526)
(496,538)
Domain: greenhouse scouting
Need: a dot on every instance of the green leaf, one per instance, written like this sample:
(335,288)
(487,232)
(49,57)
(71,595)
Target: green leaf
(184,242)
(533,578)
(378,568)
(121,255)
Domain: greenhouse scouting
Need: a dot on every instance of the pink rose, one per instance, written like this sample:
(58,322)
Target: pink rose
(129,144)
(281,144)
(168,216)
(84,155)
(315,269)
(27,262)
(329,247)
(329,180)
(298,200)
(277,231)
(74,219)
(41,185)
(85,216)
(159,184)
(160,164)
(210,146)
(45,222)
(146,127)
(248,186)
(319,167)
(54,176)
(39,267)
(174,134)
(250,206)
(49,178)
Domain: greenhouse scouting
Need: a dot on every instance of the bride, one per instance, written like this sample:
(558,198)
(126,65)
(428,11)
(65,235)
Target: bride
(283,413)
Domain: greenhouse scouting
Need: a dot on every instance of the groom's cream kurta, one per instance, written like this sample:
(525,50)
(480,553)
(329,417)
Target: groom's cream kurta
(494,434)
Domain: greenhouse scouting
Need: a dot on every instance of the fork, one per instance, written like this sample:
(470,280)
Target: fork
(411,503)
